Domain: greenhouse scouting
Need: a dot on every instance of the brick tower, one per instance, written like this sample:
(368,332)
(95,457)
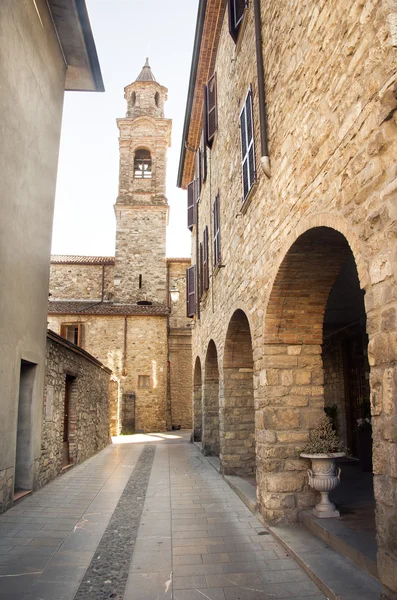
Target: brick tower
(141,208)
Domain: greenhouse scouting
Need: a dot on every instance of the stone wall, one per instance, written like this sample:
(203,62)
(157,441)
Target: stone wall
(180,346)
(131,347)
(81,281)
(329,74)
(180,357)
(140,265)
(89,407)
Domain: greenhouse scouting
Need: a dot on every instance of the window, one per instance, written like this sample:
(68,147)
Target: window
(142,164)
(197,174)
(236,14)
(73,332)
(191,210)
(133,99)
(143,382)
(206,266)
(247,145)
(211,111)
(201,271)
(191,291)
(203,155)
(157,99)
(217,232)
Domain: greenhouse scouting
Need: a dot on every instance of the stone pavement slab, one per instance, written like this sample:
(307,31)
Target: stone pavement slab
(47,555)
(194,538)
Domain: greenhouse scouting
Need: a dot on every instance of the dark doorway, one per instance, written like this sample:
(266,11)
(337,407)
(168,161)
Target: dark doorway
(24,452)
(66,420)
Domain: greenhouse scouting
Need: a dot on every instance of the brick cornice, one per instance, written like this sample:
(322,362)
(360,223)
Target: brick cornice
(209,24)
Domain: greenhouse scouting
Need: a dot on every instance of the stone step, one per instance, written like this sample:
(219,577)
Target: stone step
(358,546)
(336,576)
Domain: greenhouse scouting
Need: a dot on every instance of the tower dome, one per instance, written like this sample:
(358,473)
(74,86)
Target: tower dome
(145,96)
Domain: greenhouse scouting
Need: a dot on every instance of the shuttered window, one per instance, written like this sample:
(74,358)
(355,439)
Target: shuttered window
(236,14)
(191,291)
(206,266)
(201,274)
(203,154)
(247,145)
(212,111)
(217,233)
(197,174)
(190,205)
(73,332)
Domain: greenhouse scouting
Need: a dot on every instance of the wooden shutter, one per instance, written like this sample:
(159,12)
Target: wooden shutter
(191,291)
(201,273)
(190,205)
(197,174)
(236,14)
(247,145)
(217,237)
(212,111)
(206,272)
(203,154)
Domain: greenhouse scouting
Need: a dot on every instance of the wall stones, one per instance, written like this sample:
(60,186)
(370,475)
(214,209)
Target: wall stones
(89,413)
(332,125)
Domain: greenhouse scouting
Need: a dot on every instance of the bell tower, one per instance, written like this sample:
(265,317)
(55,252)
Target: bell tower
(141,207)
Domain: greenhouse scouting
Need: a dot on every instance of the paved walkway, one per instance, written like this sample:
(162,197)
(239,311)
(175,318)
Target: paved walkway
(146,520)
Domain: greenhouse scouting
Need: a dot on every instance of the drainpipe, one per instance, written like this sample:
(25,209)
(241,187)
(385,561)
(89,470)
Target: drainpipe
(265,160)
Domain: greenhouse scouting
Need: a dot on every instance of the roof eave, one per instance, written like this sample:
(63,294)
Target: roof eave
(75,36)
(192,84)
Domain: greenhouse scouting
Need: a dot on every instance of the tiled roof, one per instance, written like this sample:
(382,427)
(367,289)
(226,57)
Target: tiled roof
(81,260)
(179,259)
(103,308)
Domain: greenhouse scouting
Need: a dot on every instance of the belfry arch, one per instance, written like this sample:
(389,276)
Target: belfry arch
(197,402)
(210,439)
(315,302)
(237,427)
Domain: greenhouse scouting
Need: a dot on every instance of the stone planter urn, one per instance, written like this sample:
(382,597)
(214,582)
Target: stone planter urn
(324,476)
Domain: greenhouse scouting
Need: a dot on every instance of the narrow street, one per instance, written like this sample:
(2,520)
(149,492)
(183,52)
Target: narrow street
(146,518)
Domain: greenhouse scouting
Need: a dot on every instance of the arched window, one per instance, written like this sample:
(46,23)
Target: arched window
(133,99)
(143,164)
(157,99)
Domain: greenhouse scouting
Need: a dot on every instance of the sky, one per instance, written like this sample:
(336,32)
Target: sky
(125,33)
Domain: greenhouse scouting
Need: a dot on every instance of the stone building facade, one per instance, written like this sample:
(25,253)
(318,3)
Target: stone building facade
(47,47)
(289,157)
(119,308)
(76,409)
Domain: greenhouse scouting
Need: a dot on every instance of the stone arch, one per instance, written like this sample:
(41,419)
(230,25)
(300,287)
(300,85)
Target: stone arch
(293,394)
(211,402)
(142,163)
(197,401)
(237,427)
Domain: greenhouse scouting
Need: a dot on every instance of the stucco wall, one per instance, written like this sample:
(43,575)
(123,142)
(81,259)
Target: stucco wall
(32,74)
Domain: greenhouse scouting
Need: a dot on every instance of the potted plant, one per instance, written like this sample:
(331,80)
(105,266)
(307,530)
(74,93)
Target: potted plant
(323,448)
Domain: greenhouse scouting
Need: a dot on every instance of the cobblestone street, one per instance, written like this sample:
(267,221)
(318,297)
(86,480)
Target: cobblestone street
(141,521)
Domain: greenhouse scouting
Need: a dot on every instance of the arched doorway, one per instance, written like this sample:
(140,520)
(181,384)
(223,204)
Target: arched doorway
(315,303)
(237,427)
(197,402)
(211,402)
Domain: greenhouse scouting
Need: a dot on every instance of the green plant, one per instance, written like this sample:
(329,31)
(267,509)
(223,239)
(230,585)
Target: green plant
(323,439)
(332,413)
